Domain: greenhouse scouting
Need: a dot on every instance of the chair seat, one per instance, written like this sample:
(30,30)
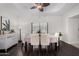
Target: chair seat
(53,39)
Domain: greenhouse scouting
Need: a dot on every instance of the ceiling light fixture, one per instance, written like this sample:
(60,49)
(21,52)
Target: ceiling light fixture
(40,6)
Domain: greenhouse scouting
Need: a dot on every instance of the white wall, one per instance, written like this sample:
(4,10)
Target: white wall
(0,23)
(55,23)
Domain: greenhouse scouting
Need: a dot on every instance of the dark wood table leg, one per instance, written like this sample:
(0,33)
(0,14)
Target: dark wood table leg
(39,49)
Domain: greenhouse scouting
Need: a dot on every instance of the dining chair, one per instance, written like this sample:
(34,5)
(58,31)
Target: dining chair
(34,41)
(45,42)
(58,38)
(53,40)
(24,42)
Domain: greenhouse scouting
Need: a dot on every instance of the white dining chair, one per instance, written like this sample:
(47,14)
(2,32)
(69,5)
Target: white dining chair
(57,38)
(24,43)
(45,41)
(34,41)
(53,39)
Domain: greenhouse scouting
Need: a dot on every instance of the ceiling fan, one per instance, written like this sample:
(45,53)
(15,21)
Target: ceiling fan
(40,6)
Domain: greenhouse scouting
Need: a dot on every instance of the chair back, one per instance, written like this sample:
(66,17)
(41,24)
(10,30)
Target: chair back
(45,39)
(56,34)
(34,39)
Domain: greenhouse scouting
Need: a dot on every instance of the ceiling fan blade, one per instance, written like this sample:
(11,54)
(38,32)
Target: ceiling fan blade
(45,4)
(40,6)
(33,7)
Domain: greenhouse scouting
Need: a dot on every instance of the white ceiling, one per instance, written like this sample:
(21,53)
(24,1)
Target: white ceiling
(23,9)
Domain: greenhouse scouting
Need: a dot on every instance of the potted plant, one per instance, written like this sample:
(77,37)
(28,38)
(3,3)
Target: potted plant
(60,34)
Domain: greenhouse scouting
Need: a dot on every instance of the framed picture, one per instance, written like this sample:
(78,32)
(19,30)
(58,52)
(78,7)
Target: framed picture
(5,24)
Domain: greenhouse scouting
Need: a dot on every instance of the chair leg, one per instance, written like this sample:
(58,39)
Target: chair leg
(6,50)
(25,46)
(51,46)
(22,45)
(56,46)
(29,46)
(59,44)
(32,49)
(47,50)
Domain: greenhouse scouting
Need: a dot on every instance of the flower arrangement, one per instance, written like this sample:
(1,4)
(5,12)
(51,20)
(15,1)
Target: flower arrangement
(60,34)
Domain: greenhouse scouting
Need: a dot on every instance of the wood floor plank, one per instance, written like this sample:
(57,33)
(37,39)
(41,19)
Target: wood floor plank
(64,50)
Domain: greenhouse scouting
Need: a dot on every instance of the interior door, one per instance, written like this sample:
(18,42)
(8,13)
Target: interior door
(73,27)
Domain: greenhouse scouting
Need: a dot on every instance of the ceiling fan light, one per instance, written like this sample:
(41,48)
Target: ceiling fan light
(39,7)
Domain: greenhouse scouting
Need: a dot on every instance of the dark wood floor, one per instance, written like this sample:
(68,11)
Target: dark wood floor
(64,50)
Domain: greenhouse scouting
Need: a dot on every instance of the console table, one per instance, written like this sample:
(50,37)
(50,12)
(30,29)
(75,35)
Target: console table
(8,40)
